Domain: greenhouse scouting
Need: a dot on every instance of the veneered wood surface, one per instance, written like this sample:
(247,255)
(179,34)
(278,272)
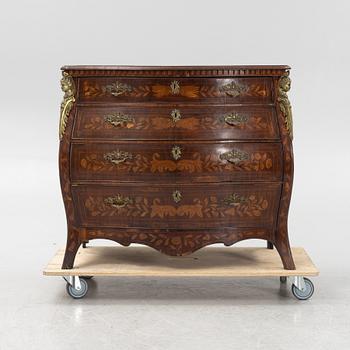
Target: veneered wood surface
(255,90)
(201,206)
(160,224)
(214,262)
(176,242)
(196,122)
(154,162)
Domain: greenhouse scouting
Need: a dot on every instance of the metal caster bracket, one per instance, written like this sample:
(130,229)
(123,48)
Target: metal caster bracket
(299,282)
(74,281)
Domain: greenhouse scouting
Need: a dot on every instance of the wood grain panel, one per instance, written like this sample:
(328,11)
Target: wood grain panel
(193,162)
(234,90)
(176,122)
(202,206)
(142,261)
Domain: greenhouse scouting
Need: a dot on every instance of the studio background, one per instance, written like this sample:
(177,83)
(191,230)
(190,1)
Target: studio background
(38,37)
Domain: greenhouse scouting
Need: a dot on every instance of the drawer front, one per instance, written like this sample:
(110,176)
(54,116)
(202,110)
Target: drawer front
(238,90)
(177,206)
(182,161)
(176,122)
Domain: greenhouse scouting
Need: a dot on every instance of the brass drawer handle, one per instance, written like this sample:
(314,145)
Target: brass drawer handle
(235,119)
(176,152)
(119,119)
(235,156)
(117,88)
(235,199)
(118,201)
(117,156)
(175,87)
(233,89)
(175,115)
(177,196)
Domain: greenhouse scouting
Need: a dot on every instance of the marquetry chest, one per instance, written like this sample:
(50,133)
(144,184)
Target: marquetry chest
(176,158)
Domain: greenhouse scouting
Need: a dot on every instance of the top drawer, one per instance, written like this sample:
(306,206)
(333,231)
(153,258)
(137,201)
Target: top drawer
(238,90)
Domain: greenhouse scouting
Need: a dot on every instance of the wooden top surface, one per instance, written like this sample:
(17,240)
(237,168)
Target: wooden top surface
(225,67)
(210,261)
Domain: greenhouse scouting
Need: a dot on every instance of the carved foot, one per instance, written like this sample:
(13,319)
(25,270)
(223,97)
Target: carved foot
(73,244)
(285,253)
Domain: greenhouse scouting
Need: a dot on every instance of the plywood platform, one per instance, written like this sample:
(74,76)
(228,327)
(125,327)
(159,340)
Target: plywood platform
(144,261)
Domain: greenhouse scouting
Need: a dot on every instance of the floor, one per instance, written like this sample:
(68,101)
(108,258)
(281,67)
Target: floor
(172,313)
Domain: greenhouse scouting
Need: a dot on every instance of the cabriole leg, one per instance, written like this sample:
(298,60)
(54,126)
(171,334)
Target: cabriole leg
(73,244)
(285,253)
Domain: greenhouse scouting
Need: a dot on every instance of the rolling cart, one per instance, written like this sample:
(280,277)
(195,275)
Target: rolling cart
(209,262)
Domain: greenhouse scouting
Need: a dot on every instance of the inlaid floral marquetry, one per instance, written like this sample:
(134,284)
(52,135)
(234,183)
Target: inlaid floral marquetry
(178,243)
(208,207)
(176,120)
(188,89)
(138,163)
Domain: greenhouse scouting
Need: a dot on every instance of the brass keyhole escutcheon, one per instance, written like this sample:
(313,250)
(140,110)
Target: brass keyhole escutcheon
(176,152)
(177,196)
(175,115)
(175,87)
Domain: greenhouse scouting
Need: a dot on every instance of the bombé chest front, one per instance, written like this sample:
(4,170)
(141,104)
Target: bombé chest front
(175,158)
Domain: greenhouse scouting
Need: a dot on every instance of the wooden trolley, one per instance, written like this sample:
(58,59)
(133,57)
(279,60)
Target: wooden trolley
(210,262)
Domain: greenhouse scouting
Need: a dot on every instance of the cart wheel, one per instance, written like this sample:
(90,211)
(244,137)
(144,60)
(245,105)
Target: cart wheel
(304,294)
(283,279)
(75,293)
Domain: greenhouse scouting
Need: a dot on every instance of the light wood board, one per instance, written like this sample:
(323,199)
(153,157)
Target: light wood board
(210,261)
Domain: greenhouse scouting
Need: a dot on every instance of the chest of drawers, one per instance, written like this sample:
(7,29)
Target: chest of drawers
(176,158)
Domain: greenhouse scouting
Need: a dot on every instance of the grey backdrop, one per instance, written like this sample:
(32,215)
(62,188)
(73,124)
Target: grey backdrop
(38,37)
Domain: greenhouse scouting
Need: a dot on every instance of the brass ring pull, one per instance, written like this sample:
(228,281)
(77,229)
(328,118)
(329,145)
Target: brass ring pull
(118,201)
(176,152)
(117,156)
(175,115)
(118,119)
(235,199)
(235,119)
(235,156)
(177,196)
